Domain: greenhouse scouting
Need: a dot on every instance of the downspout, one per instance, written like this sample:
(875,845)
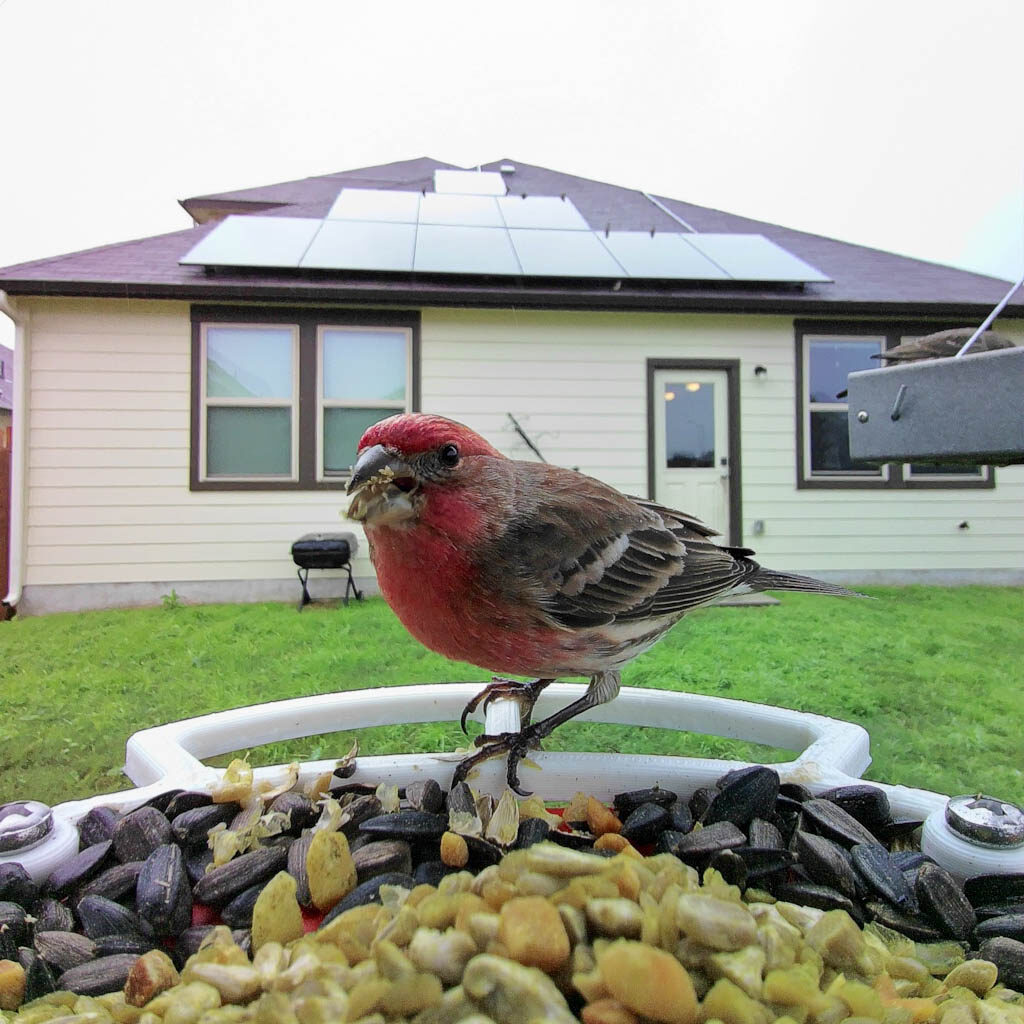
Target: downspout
(19,434)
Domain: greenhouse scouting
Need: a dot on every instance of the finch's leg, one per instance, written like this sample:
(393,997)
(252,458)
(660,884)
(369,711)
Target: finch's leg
(525,694)
(603,687)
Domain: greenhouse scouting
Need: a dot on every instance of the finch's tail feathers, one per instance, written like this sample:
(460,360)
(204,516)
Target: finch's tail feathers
(768,579)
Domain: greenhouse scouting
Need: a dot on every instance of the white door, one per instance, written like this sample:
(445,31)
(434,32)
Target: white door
(691,444)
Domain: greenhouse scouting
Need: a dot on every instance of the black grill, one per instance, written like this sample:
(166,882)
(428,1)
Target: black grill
(324,551)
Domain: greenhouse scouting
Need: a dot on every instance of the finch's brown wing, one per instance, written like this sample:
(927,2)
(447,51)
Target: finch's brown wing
(587,555)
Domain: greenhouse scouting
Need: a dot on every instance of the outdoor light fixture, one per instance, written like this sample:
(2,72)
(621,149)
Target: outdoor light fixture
(760,371)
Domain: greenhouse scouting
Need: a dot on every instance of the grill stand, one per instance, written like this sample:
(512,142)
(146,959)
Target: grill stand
(350,584)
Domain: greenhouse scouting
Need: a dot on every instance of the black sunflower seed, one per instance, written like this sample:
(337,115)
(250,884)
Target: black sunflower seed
(368,892)
(832,822)
(17,886)
(742,796)
(425,795)
(626,803)
(83,866)
(1008,956)
(237,913)
(943,901)
(913,926)
(98,976)
(702,843)
(139,833)
(193,826)
(97,826)
(868,804)
(381,856)
(881,876)
(645,823)
(983,889)
(408,825)
(99,916)
(531,830)
(1010,926)
(822,897)
(826,862)
(763,834)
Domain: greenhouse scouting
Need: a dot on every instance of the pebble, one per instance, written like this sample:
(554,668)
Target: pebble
(511,993)
(608,1011)
(648,981)
(600,820)
(531,930)
(716,923)
(330,869)
(454,850)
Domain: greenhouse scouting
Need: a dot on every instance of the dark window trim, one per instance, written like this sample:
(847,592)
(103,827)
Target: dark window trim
(732,372)
(308,318)
(896,479)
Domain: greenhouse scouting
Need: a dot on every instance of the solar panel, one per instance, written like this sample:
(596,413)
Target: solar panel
(361,245)
(448,249)
(563,254)
(252,241)
(470,183)
(375,204)
(753,258)
(376,229)
(660,255)
(541,212)
(467,211)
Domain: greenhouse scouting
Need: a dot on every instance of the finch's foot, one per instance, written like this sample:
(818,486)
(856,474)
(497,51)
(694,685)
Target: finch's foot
(517,745)
(525,695)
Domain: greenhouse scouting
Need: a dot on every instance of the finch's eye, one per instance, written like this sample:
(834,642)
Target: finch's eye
(449,455)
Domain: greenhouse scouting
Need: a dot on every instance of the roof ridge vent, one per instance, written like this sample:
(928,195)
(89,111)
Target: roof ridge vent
(469,183)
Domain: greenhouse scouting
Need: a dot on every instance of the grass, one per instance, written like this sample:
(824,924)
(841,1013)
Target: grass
(932,674)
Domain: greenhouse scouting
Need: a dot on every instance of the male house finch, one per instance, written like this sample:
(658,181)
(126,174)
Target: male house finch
(529,569)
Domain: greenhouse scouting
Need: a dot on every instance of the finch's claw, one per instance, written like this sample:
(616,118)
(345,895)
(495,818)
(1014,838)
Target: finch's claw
(525,694)
(517,745)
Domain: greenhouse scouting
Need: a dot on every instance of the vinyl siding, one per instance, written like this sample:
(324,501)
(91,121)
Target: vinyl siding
(108,496)
(577,384)
(108,462)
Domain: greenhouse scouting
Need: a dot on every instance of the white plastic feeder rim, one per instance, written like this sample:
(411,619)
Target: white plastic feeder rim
(831,753)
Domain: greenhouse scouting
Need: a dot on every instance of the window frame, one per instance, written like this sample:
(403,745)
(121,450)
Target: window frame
(339,403)
(895,476)
(307,439)
(227,402)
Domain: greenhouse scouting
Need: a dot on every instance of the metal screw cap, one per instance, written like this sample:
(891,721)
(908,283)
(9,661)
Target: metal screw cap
(986,821)
(23,823)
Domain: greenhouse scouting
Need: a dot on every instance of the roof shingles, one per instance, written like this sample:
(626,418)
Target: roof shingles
(865,281)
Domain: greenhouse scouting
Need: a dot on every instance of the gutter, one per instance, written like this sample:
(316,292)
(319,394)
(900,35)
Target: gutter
(18,455)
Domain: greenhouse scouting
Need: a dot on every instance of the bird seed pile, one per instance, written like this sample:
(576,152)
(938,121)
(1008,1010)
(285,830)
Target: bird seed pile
(748,903)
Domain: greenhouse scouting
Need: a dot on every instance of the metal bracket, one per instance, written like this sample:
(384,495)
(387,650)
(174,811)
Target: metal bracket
(940,410)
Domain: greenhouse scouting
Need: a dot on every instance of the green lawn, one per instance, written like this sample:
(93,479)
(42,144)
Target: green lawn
(932,673)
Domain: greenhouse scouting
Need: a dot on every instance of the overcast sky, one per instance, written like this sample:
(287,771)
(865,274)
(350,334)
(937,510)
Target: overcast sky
(891,123)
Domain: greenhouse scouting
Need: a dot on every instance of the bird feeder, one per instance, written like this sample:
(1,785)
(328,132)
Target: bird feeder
(940,410)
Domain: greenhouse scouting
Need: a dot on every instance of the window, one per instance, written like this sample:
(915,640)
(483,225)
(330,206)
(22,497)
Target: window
(826,355)
(250,379)
(363,378)
(280,398)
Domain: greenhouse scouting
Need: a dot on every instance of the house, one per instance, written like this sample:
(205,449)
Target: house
(6,394)
(192,400)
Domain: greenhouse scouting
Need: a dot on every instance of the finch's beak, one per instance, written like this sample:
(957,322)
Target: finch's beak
(383,488)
